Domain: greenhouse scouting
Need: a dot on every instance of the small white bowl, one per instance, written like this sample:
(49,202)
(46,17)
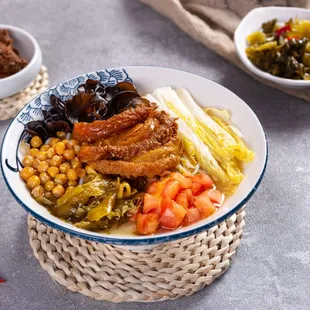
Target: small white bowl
(147,79)
(28,49)
(252,22)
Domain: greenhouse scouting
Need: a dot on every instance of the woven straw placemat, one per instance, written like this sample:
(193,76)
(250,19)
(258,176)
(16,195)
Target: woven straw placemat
(10,106)
(168,271)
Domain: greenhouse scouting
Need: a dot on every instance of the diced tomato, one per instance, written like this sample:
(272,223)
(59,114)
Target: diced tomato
(196,189)
(157,188)
(172,216)
(203,179)
(184,182)
(147,223)
(184,198)
(215,196)
(152,188)
(204,204)
(151,204)
(171,189)
(192,216)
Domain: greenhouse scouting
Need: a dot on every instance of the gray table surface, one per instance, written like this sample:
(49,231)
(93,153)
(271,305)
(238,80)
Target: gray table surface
(272,266)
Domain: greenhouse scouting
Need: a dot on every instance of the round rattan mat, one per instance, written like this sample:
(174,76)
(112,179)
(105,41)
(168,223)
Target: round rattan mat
(168,271)
(10,106)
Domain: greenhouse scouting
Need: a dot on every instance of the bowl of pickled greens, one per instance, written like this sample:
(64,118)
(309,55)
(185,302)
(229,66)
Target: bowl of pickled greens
(134,156)
(274,43)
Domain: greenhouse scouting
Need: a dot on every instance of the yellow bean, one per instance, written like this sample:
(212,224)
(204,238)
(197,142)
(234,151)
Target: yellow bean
(53,141)
(75,163)
(49,185)
(44,177)
(53,171)
(69,154)
(38,191)
(56,160)
(34,152)
(33,182)
(72,175)
(71,143)
(41,155)
(44,147)
(81,172)
(61,178)
(58,190)
(76,148)
(64,167)
(28,161)
(26,173)
(73,183)
(50,152)
(36,141)
(60,148)
(48,195)
(36,163)
(43,166)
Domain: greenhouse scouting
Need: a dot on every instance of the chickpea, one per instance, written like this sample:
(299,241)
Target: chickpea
(61,178)
(81,172)
(65,141)
(41,156)
(73,183)
(36,163)
(33,181)
(61,134)
(44,148)
(60,147)
(28,160)
(53,141)
(56,160)
(75,163)
(69,154)
(43,166)
(71,143)
(48,195)
(44,177)
(76,148)
(26,173)
(49,185)
(53,171)
(38,191)
(36,141)
(64,167)
(33,152)
(50,152)
(72,175)
(58,190)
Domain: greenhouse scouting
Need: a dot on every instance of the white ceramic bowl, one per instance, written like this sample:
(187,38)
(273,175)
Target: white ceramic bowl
(252,22)
(146,79)
(29,49)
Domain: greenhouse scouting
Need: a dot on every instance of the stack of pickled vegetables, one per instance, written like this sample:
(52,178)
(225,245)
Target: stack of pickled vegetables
(109,156)
(282,50)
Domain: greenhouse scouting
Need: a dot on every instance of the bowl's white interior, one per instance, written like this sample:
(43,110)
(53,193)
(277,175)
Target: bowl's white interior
(252,22)
(147,79)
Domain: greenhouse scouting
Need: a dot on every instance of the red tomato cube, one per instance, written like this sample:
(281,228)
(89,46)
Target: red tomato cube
(172,216)
(151,204)
(147,223)
(171,189)
(192,216)
(204,205)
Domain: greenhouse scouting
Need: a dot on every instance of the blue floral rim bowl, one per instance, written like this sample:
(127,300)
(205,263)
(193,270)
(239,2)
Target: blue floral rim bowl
(146,79)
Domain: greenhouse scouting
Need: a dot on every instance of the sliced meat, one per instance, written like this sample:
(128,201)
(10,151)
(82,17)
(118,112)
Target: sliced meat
(90,132)
(126,152)
(130,169)
(133,135)
(153,136)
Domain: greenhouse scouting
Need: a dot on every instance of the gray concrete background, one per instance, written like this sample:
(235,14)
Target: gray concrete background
(271,269)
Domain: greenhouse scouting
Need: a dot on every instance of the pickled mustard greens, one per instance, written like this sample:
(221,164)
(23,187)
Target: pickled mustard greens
(97,204)
(282,51)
